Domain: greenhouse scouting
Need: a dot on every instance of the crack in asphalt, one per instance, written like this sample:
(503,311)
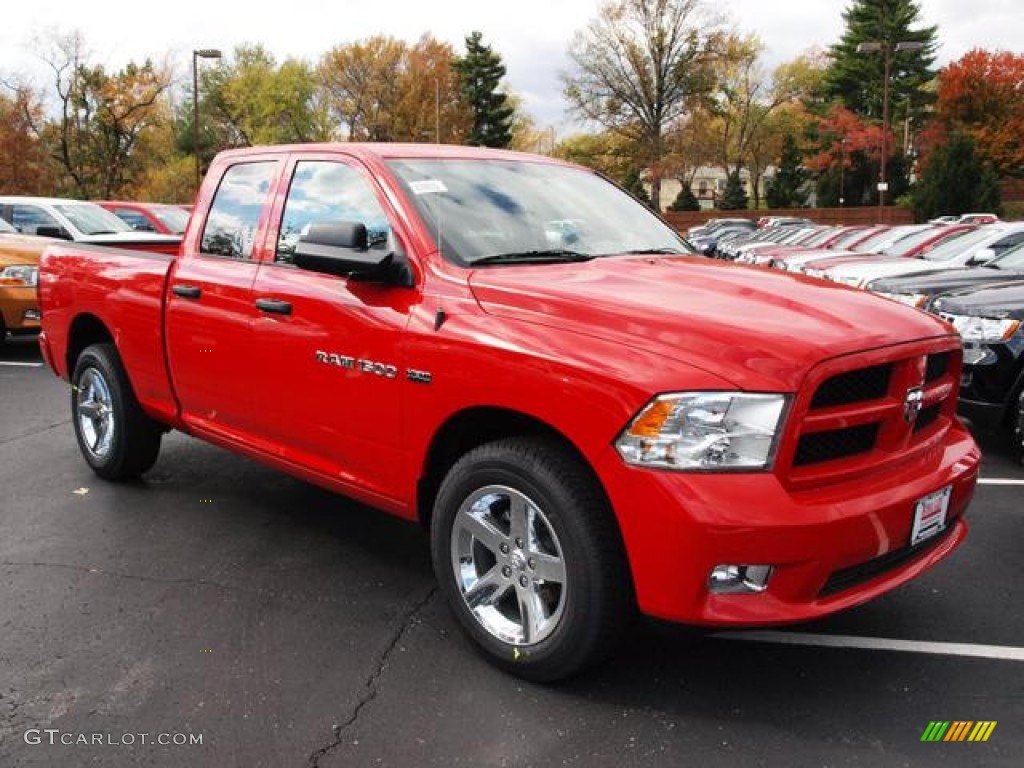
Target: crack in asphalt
(33,433)
(371,685)
(132,577)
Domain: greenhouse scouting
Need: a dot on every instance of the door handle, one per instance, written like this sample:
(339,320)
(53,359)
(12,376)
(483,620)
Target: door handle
(274,306)
(186,291)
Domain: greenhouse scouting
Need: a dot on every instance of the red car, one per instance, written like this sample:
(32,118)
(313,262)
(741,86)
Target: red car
(514,352)
(149,217)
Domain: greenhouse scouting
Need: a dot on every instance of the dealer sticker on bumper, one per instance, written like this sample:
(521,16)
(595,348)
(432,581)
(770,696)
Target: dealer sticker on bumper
(930,515)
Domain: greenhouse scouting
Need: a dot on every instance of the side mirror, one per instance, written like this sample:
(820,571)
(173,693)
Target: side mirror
(982,256)
(342,248)
(58,232)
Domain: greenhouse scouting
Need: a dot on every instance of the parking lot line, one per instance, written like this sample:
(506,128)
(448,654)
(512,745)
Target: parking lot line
(1000,652)
(999,481)
(22,365)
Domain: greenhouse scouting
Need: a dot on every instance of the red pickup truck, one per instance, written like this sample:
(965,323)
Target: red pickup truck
(588,419)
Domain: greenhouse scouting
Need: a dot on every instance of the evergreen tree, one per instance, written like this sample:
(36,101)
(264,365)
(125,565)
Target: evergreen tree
(480,72)
(734,198)
(856,79)
(685,200)
(633,184)
(955,181)
(786,189)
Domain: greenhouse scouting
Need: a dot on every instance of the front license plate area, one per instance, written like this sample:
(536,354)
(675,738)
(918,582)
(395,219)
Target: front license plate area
(930,515)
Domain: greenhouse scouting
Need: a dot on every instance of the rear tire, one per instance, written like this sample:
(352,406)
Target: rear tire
(117,439)
(528,555)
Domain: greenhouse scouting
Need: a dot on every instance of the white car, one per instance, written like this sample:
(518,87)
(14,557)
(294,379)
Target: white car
(971,248)
(74,220)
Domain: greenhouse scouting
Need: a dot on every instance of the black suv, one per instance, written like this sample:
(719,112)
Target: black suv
(991,323)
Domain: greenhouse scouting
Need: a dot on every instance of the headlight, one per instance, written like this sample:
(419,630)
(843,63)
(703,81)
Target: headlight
(19,275)
(910,299)
(983,329)
(704,431)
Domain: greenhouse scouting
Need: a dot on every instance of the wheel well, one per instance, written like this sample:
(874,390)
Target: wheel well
(465,431)
(86,330)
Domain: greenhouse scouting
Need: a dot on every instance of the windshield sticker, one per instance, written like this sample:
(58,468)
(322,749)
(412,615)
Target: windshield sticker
(427,187)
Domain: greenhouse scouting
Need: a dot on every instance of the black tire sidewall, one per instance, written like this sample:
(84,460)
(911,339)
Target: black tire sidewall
(569,645)
(117,464)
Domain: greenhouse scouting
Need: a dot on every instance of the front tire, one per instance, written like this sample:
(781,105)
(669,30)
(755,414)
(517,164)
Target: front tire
(116,438)
(528,555)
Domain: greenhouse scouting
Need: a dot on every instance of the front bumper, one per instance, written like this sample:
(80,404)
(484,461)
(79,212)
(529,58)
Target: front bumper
(990,380)
(830,547)
(20,309)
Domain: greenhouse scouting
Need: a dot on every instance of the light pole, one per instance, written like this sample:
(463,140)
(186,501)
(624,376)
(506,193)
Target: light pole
(887,49)
(202,53)
(842,168)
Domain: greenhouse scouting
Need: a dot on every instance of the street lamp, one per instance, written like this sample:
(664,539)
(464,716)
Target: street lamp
(887,50)
(202,53)
(842,167)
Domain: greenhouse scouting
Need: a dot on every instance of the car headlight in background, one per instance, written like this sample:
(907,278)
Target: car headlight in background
(22,275)
(910,299)
(704,431)
(986,330)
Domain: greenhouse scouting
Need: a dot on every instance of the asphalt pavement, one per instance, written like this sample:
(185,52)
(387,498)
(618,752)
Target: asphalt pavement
(219,613)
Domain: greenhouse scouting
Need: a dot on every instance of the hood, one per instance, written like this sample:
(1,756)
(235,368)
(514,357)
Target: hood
(759,329)
(931,283)
(1003,300)
(871,270)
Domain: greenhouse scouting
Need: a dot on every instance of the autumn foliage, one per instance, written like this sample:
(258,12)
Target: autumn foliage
(982,95)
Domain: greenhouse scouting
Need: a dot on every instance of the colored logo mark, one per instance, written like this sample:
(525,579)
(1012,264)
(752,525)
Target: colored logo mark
(958,730)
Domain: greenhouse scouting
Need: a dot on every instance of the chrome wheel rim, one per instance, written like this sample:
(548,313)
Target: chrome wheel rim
(508,565)
(95,410)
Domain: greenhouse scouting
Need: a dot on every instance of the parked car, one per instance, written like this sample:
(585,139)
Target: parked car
(149,217)
(990,321)
(909,255)
(586,426)
(19,275)
(917,290)
(79,221)
(977,218)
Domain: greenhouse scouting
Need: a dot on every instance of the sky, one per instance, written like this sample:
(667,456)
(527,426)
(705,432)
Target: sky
(531,35)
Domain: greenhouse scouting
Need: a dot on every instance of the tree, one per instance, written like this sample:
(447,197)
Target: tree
(638,67)
(855,79)
(955,180)
(982,95)
(734,197)
(249,99)
(480,74)
(25,167)
(383,89)
(842,139)
(101,118)
(786,189)
(685,200)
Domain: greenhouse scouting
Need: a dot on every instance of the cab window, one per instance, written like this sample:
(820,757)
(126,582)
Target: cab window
(230,229)
(324,191)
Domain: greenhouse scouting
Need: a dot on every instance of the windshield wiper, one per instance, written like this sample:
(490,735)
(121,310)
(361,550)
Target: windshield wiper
(655,251)
(550,256)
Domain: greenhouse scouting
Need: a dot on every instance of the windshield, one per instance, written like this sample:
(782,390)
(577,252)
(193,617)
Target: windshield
(90,219)
(5,227)
(950,249)
(172,217)
(1012,259)
(907,244)
(892,234)
(506,210)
